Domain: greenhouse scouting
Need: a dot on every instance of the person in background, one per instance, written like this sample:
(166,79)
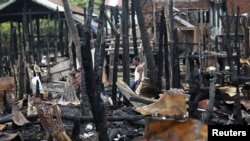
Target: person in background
(138,74)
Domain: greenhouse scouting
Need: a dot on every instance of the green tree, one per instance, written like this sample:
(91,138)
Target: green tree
(84,4)
(3,1)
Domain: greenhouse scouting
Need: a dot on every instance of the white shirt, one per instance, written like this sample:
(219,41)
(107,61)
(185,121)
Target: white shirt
(137,74)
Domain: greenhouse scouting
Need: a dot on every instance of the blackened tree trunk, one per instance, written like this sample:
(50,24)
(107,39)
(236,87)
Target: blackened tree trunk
(151,67)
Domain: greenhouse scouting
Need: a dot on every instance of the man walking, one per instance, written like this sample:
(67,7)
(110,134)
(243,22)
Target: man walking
(138,74)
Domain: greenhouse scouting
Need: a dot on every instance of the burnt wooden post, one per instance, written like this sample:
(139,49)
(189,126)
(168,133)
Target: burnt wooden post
(60,34)
(94,97)
(98,67)
(171,41)
(125,42)
(31,56)
(246,32)
(216,43)
(235,79)
(12,53)
(166,60)
(194,91)
(207,115)
(66,40)
(92,86)
(116,16)
(37,49)
(175,62)
(62,38)
(76,130)
(115,68)
(0,43)
(24,47)
(1,54)
(56,21)
(151,67)
(47,58)
(73,30)
(204,42)
(116,53)
(134,29)
(160,53)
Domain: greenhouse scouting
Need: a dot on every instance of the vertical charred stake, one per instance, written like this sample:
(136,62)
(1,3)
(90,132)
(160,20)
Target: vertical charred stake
(76,130)
(160,53)
(194,91)
(134,29)
(5,102)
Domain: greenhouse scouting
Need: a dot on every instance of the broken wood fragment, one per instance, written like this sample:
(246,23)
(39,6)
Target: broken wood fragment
(171,103)
(17,116)
(83,118)
(128,93)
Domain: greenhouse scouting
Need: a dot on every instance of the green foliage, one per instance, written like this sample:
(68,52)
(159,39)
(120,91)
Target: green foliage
(80,3)
(84,4)
(5,31)
(3,1)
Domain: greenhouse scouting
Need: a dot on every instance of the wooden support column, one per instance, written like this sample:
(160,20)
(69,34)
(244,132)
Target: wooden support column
(134,29)
(38,47)
(160,53)
(125,42)
(247,42)
(24,49)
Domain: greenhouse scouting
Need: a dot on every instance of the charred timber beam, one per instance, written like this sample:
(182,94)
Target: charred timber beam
(114,29)
(244,79)
(31,13)
(136,99)
(8,118)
